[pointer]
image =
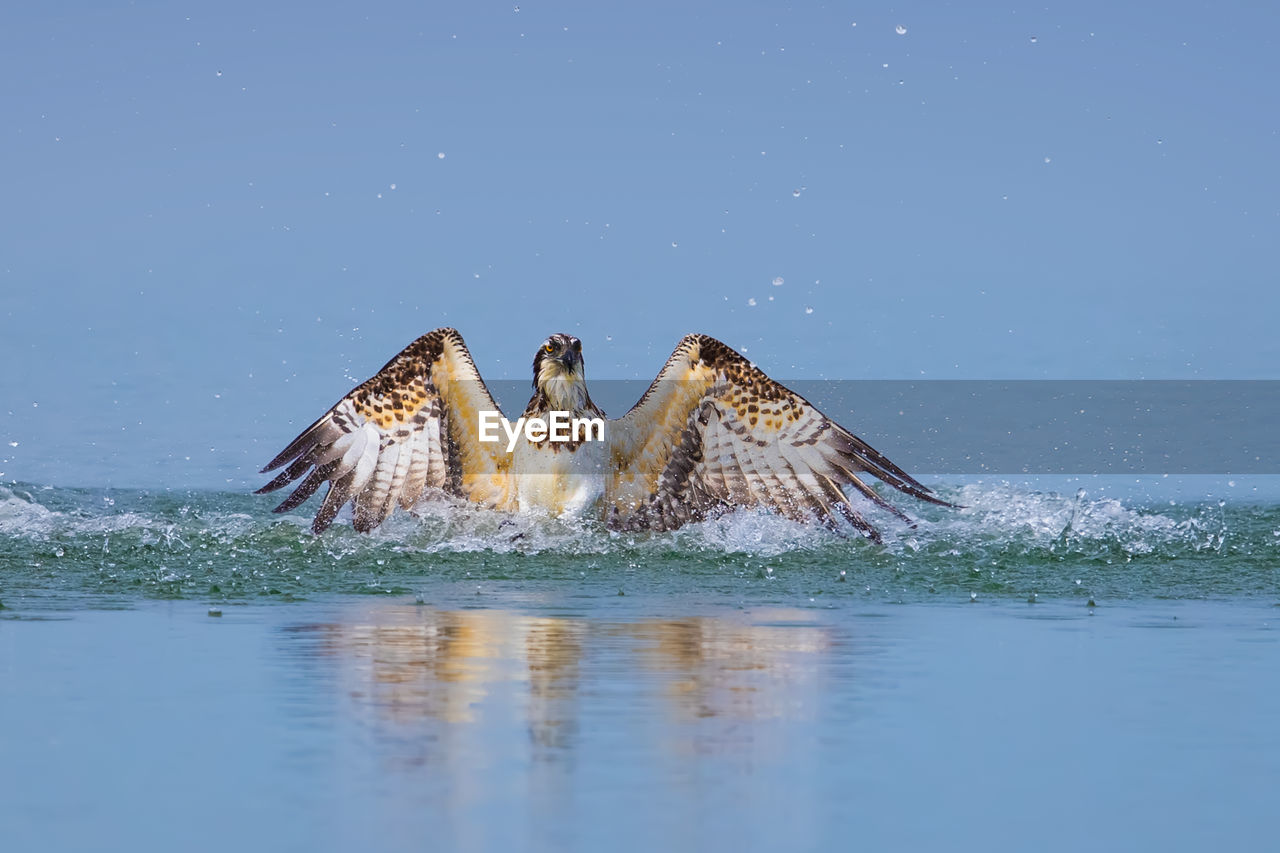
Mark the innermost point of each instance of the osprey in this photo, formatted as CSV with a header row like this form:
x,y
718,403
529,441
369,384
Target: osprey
x,y
712,432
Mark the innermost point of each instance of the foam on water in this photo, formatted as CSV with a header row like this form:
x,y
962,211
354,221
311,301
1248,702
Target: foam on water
x,y
1004,540
988,514
1054,523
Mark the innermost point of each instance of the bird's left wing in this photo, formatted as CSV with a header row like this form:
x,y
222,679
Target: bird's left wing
x,y
714,431
412,426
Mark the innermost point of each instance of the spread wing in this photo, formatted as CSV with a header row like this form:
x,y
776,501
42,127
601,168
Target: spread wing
x,y
714,431
411,427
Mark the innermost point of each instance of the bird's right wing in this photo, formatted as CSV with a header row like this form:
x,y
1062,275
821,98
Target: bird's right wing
x,y
411,427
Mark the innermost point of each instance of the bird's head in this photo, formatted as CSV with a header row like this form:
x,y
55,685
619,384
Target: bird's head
x,y
558,372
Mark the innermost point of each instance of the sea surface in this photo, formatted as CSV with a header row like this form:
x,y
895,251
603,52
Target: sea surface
x,y
1037,670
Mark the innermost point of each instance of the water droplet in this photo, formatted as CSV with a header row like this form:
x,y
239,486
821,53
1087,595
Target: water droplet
x,y
58,552
674,244
13,444
973,596
219,73
1031,599
808,309
842,576
440,156
393,186
1048,160
795,193
779,281
751,302
900,30
1034,39
215,611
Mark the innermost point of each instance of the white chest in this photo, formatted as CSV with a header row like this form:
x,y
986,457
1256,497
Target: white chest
x,y
558,481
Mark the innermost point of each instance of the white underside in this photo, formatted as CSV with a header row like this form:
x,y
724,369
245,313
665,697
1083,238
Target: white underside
x,y
564,482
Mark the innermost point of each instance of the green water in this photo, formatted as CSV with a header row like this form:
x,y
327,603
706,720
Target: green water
x,y
84,547
1036,671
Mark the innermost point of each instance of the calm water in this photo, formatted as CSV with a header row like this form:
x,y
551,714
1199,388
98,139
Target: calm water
x,y
186,671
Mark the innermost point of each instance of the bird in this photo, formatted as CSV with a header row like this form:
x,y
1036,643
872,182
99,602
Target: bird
x,y
711,433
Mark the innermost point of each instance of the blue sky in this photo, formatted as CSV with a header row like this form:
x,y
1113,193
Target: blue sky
x,y
218,215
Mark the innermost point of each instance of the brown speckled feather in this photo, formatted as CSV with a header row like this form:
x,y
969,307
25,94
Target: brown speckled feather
x,y
713,431
408,429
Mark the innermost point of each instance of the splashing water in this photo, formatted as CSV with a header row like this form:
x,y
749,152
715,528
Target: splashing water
x,y
62,544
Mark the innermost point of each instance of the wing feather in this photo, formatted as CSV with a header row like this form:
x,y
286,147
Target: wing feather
x,y
415,479
396,434
371,504
712,430
773,467
804,483
399,476
753,469
305,489
295,470
339,493
437,469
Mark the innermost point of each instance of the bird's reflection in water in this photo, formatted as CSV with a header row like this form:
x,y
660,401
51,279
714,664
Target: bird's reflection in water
x,y
553,650
430,676
719,668
440,666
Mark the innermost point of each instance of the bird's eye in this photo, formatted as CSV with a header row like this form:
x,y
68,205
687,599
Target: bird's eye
x,y
577,346
549,348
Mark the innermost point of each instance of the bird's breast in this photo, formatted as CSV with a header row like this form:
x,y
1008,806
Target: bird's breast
x,y
558,479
